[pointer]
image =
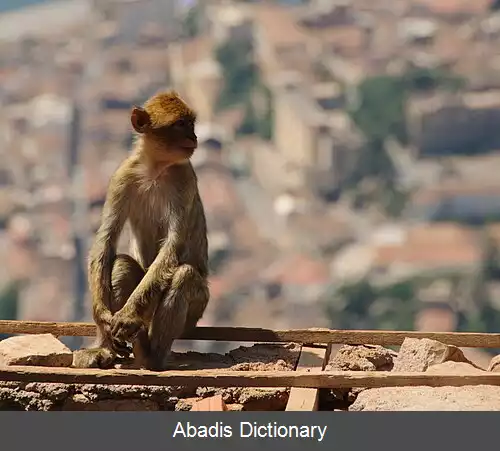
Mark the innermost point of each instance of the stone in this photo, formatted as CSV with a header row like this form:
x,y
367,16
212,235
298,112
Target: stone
x,y
355,358
264,399
362,358
81,403
495,364
416,355
468,398
37,350
453,368
482,397
32,396
235,407
44,396
265,357
185,405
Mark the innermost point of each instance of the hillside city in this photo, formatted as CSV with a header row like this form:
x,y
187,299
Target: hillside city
x,y
348,160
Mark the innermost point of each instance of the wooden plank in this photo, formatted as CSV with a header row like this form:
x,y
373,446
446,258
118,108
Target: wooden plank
x,y
211,404
241,334
226,378
60,329
306,399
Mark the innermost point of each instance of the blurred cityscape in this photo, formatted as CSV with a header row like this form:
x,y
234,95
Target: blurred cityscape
x,y
349,160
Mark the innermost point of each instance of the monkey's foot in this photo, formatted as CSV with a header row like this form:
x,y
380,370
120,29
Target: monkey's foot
x,y
121,348
94,358
162,364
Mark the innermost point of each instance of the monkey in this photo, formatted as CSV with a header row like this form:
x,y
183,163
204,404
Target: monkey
x,y
160,291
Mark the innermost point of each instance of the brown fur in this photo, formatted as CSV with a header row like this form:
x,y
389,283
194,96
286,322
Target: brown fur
x,y
152,296
166,108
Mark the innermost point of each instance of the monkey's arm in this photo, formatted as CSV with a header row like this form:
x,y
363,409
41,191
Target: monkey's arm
x,y
141,305
103,250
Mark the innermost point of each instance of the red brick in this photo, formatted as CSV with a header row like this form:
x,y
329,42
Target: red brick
x,y
212,404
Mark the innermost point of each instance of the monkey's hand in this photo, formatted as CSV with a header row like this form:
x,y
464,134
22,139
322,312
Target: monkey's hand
x,y
103,318
125,325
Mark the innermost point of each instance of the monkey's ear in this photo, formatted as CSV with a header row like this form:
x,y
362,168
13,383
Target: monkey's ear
x,y
140,119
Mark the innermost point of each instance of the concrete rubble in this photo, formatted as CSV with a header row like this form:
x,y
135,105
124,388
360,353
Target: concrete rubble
x,y
415,355
55,396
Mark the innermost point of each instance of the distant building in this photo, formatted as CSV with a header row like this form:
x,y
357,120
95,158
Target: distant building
x,y
447,124
471,203
133,15
403,252
315,137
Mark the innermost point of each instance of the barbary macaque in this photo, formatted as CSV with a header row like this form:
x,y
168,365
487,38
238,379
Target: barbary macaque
x,y
160,291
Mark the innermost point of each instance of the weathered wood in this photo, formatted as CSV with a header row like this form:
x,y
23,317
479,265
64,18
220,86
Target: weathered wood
x,y
227,378
242,334
306,399
211,404
41,327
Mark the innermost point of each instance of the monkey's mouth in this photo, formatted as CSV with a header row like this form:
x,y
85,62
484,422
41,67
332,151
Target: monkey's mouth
x,y
189,145
188,149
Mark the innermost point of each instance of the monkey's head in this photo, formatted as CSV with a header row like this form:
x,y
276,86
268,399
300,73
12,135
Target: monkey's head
x,y
167,123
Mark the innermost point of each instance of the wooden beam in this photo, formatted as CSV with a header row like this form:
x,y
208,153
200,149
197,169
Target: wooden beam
x,y
61,329
306,399
242,334
225,378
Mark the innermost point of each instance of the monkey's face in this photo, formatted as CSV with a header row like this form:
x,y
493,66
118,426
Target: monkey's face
x,y
178,137
172,142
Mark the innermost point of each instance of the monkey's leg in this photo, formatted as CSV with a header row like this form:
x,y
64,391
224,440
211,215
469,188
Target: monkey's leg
x,y
187,289
125,276
197,305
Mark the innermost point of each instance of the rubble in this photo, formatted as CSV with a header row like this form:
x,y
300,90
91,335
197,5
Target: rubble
x,y
419,354
94,397
415,355
495,364
478,398
38,350
355,358
362,358
432,357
